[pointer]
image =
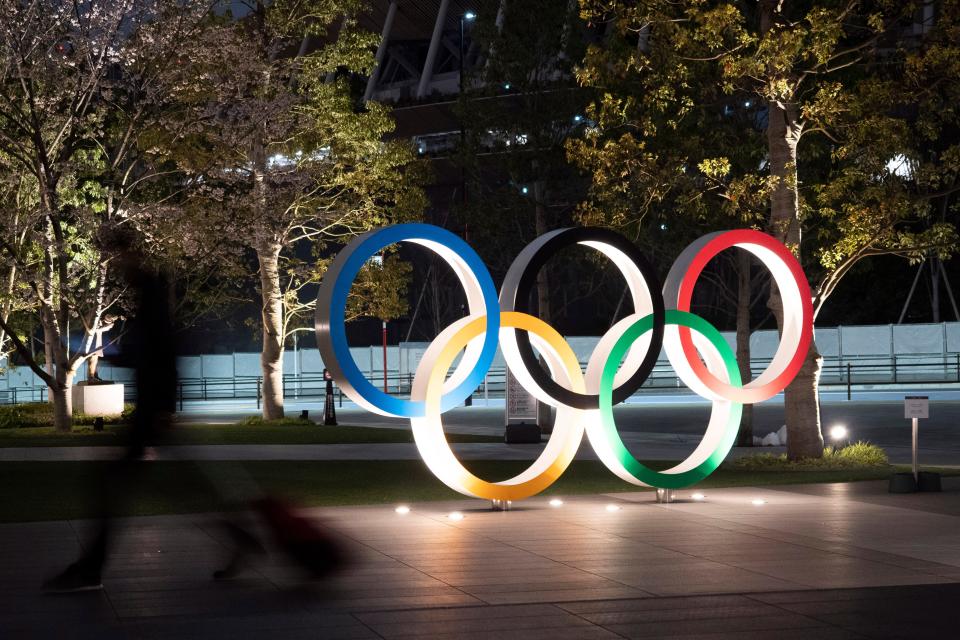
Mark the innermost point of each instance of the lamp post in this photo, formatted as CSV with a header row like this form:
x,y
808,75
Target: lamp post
x,y
469,16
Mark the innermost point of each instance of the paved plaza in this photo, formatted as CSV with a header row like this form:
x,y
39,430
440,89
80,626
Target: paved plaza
x,y
814,561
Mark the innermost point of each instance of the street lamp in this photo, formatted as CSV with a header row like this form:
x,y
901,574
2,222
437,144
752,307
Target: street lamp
x,y
469,16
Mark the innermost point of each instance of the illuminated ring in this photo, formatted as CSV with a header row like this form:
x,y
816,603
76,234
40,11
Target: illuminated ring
x,y
428,430
644,288
330,324
721,430
796,333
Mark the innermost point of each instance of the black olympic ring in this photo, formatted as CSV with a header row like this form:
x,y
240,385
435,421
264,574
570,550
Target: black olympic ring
x,y
522,276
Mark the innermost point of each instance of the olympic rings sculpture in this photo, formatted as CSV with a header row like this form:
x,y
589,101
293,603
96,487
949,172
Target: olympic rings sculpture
x,y
618,366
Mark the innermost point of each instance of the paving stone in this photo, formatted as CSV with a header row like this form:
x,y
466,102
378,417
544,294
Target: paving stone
x,y
799,567
772,624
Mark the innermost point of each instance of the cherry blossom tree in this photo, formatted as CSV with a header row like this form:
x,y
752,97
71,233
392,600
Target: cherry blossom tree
x,y
84,90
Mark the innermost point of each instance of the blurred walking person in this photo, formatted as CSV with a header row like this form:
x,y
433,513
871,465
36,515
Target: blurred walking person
x,y
149,347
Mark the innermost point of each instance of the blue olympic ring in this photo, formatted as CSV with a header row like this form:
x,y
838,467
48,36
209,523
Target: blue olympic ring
x,y
332,302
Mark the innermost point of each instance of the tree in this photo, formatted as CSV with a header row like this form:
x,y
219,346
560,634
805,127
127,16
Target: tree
x,y
519,105
290,156
859,83
80,83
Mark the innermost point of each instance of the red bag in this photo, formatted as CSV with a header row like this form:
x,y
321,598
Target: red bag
x,y
310,546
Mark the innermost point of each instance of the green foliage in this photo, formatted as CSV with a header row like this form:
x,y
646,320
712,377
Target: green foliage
x,y
123,418
40,414
259,421
861,455
295,166
690,90
380,290
86,99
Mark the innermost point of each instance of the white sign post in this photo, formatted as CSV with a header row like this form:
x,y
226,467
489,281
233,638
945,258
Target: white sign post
x,y
916,407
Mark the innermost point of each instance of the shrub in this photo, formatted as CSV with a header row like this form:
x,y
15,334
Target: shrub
x,y
84,419
40,414
34,414
258,421
861,455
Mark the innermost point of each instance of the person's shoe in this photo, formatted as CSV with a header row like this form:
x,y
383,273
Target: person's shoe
x,y
74,579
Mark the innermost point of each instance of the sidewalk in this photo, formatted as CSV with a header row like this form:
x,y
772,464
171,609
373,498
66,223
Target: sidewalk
x,y
678,421
825,561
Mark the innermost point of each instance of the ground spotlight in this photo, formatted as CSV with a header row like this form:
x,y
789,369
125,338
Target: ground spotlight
x,y
556,502
613,507
455,515
402,510
758,502
838,432
698,497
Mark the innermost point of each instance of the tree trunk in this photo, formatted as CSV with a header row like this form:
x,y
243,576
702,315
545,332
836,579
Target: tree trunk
x,y
62,396
801,405
5,310
744,292
48,359
271,356
540,224
801,397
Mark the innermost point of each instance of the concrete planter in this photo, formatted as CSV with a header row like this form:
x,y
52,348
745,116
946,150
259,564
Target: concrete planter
x,y
104,400
903,483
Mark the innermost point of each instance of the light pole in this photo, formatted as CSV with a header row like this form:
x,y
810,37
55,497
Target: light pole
x,y
469,16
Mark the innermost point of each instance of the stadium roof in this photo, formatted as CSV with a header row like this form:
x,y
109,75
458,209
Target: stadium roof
x,y
415,18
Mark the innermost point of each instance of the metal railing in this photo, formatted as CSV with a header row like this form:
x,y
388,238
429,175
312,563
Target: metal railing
x,y
846,372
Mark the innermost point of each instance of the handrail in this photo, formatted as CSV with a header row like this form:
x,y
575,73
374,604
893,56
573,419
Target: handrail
x,y
847,372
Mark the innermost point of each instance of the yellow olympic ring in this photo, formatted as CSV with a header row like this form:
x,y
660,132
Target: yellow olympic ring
x,y
428,429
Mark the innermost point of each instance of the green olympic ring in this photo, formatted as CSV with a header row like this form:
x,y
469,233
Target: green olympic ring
x,y
724,421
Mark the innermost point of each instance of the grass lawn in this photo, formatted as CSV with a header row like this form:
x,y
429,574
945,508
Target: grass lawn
x,y
31,491
222,434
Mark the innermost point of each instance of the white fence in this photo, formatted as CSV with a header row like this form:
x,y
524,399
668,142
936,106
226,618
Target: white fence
x,y
868,354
